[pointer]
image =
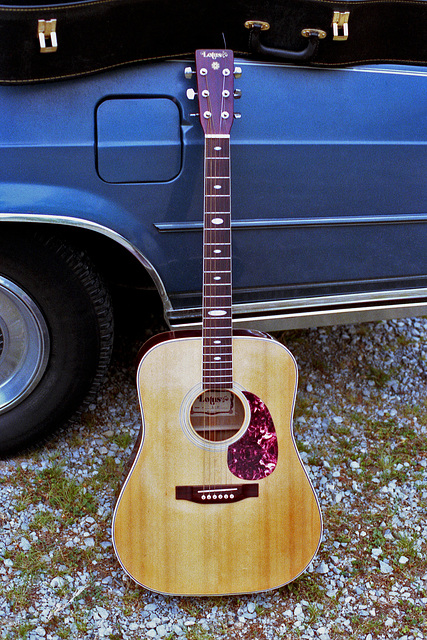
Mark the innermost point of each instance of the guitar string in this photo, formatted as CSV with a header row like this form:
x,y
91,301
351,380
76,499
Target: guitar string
x,y
221,235
208,235
212,328
225,237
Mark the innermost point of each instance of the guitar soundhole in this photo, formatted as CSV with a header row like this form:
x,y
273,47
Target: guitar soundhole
x,y
217,416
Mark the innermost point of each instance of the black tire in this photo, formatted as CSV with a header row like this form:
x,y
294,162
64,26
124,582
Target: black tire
x,y
56,335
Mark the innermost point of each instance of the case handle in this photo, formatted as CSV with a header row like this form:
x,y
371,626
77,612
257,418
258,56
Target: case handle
x,y
255,46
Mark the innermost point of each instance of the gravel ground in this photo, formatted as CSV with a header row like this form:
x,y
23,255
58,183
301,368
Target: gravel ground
x,y
361,427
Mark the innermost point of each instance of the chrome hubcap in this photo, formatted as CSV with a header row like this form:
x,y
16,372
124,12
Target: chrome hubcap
x,y
24,345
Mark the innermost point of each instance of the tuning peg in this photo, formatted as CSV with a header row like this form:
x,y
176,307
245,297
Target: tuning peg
x,y
237,115
237,93
191,94
188,73
237,72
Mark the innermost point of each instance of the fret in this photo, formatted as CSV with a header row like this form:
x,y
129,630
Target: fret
x,y
210,349
213,211
213,384
214,324
215,271
218,336
212,366
212,371
224,375
221,325
216,366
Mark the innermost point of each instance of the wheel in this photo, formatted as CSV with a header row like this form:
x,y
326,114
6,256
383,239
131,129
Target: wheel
x,y
56,335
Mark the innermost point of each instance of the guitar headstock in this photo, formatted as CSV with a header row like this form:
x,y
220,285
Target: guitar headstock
x,y
215,84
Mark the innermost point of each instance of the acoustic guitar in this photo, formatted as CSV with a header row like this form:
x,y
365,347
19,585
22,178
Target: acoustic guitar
x,y
217,500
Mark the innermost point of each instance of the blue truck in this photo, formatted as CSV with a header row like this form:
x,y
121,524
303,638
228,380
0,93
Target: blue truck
x,y
101,186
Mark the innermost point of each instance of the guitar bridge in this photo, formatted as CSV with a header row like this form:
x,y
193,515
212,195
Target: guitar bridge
x,y
215,494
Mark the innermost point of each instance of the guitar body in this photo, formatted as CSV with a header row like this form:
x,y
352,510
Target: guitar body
x,y
201,517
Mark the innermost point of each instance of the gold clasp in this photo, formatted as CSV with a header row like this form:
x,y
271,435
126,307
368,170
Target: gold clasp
x,y
340,21
47,30
314,33
260,24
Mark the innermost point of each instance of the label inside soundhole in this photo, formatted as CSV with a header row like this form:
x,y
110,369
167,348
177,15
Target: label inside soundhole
x,y
217,415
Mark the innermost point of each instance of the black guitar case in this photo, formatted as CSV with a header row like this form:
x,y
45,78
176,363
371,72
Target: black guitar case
x,y
56,41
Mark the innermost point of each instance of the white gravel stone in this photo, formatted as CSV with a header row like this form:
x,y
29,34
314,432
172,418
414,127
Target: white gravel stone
x,y
25,544
57,582
322,568
96,585
385,567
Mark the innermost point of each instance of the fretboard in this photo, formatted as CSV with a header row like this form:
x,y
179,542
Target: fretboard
x,y
217,323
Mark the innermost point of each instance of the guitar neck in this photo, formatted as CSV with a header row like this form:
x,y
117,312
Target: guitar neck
x,y
217,286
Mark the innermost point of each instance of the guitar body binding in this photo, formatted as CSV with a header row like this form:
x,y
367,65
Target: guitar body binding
x,y
170,541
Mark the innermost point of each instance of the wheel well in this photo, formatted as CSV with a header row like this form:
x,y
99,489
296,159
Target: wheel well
x,y
128,280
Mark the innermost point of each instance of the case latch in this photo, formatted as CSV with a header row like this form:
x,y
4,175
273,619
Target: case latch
x,y
46,32
340,25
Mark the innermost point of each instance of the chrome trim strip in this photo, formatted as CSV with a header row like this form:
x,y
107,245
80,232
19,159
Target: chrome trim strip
x,y
105,231
321,318
283,223
338,300
320,311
